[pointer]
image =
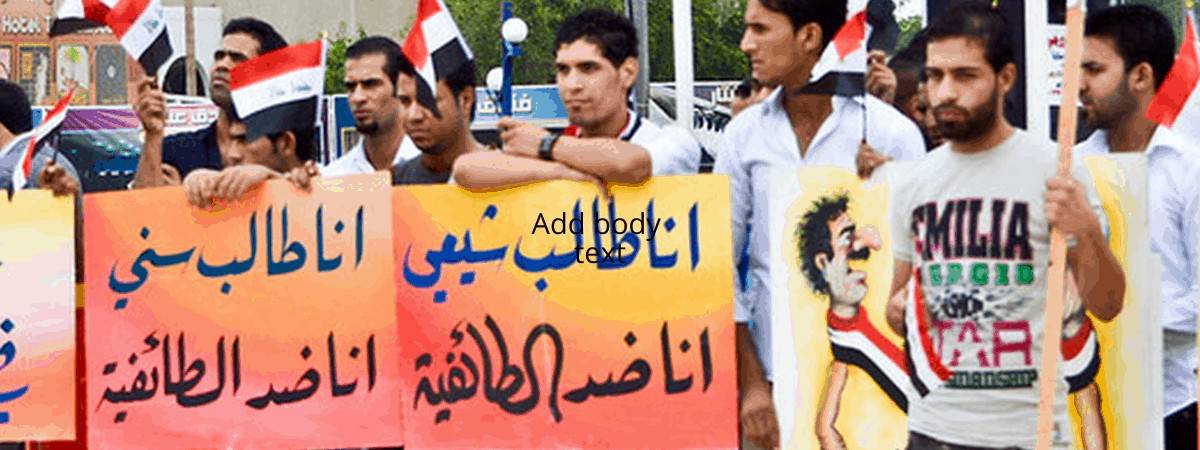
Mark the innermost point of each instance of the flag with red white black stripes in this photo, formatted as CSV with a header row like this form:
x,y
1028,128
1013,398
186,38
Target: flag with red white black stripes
x,y
280,90
42,135
138,24
1177,103
436,48
841,70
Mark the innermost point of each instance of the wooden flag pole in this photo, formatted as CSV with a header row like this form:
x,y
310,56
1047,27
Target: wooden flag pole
x,y
1056,281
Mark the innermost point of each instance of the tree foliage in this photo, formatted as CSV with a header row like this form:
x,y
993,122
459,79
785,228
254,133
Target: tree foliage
x,y
335,58
716,25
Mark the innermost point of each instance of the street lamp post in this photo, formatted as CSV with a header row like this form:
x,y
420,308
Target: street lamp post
x,y
513,30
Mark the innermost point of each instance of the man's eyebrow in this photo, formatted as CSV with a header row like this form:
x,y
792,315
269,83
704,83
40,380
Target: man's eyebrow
x,y
849,229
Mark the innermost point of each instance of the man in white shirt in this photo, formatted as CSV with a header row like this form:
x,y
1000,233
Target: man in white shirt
x,y
372,66
971,227
596,64
789,129
1128,51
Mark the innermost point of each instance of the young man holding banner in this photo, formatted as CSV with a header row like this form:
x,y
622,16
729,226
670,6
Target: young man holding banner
x,y
791,128
973,222
276,97
1128,51
596,66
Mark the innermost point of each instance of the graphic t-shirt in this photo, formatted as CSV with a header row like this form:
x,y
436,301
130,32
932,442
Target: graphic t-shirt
x,y
975,229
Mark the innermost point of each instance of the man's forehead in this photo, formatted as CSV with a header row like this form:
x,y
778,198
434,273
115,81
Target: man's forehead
x,y
241,43
366,66
1100,47
578,51
956,52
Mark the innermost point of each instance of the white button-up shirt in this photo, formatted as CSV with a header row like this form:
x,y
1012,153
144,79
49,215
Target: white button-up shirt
x,y
760,138
1174,191
356,161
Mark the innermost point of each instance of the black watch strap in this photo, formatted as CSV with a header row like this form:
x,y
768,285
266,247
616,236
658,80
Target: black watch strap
x,y
546,149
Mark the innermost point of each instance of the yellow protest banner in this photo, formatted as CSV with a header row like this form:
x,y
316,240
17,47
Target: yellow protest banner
x,y
548,316
37,317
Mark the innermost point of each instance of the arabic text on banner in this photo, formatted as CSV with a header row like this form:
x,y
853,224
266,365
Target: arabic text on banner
x,y
268,322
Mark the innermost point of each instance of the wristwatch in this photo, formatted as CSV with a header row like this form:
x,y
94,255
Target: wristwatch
x,y
546,149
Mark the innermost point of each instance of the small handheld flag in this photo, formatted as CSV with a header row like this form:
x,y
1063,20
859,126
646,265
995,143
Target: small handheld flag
x,y
279,90
436,48
139,24
43,134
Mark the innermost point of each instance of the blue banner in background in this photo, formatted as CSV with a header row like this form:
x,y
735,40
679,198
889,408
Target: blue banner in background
x,y
538,104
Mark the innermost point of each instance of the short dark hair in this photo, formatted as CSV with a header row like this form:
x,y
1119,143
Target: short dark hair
x,y
394,59
977,21
611,32
268,39
812,237
828,14
461,79
1141,34
16,115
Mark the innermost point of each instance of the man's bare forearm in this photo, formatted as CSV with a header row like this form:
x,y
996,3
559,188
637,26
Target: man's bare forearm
x,y
149,169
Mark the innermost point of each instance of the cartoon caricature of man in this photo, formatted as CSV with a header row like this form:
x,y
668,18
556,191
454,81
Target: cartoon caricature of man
x,y
830,241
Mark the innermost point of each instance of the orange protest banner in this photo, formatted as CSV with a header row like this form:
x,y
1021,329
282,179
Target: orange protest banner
x,y
550,317
266,323
37,317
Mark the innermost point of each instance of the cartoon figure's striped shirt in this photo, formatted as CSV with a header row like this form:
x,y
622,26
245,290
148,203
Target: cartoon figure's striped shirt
x,y
858,343
1081,356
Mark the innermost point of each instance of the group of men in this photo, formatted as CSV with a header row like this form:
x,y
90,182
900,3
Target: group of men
x,y
952,85
607,142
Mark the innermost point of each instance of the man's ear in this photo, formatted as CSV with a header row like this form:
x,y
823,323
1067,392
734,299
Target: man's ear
x,y
466,101
1141,78
285,144
809,36
627,73
1007,77
821,260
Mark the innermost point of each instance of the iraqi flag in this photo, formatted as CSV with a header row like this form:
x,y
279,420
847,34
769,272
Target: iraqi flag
x,y
279,90
139,24
45,132
436,48
870,25
1177,104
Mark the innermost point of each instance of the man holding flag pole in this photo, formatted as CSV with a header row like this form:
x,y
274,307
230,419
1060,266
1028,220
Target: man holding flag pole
x,y
1011,189
825,44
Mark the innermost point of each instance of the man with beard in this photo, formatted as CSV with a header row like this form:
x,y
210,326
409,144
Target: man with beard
x,y
974,325
372,66
1127,53
169,160
829,242
442,136
790,129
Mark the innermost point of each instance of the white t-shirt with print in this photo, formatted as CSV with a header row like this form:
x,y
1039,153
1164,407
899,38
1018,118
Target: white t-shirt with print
x,y
974,226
